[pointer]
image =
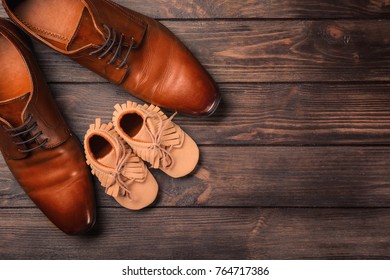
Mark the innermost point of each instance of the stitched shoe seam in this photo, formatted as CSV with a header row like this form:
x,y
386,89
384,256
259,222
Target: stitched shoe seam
x,y
38,29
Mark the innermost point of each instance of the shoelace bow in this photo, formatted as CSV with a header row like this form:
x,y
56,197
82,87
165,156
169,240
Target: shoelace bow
x,y
110,43
162,155
119,165
23,131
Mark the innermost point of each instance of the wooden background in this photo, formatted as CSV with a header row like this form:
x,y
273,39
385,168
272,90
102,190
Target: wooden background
x,y
295,164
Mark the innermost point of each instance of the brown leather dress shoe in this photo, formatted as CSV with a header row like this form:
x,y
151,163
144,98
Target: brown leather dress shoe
x,y
36,143
123,46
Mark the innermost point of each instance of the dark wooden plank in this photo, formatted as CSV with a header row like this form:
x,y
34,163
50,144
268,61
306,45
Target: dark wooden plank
x,y
260,9
204,9
268,51
278,51
203,234
259,114
264,177
258,51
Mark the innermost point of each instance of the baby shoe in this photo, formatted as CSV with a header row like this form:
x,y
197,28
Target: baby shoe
x,y
119,170
156,139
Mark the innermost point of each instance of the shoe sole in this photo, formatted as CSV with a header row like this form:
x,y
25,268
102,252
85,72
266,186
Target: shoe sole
x,y
213,108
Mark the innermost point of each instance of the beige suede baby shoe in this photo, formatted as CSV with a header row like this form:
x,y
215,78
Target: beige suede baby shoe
x,y
123,174
156,139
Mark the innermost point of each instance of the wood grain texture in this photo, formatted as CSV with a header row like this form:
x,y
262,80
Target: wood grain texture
x,y
205,9
203,234
258,114
294,164
256,51
268,51
263,176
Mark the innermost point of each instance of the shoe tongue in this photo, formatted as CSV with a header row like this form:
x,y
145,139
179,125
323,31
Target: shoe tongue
x,y
151,127
13,110
85,33
108,160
